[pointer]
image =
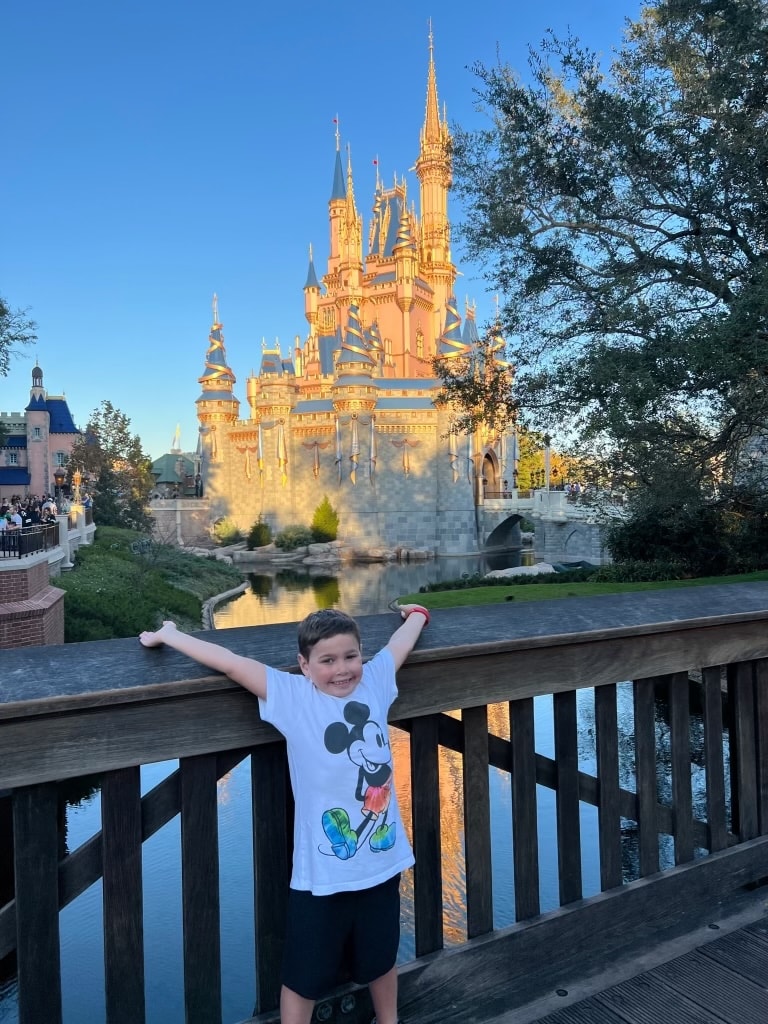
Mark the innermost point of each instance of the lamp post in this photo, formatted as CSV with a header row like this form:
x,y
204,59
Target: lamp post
x,y
58,479
547,455
77,479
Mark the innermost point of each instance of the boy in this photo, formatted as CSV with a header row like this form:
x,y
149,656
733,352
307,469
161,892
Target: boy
x,y
349,841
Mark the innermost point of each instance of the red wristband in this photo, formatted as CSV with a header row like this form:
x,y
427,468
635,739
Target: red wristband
x,y
419,608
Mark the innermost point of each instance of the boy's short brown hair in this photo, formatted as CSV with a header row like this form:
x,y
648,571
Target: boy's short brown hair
x,y
321,625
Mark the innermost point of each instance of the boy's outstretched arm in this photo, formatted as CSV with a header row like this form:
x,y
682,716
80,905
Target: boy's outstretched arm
x,y
403,640
245,671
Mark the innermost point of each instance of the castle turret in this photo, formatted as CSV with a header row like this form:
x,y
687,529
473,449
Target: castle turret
x,y
433,168
451,344
311,294
336,209
344,276
38,421
217,405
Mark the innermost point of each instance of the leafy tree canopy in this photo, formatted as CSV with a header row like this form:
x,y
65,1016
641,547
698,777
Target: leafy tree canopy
x,y
114,463
622,212
15,329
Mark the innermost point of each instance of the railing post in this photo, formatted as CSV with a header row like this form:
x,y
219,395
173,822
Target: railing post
x,y
36,840
123,897
63,521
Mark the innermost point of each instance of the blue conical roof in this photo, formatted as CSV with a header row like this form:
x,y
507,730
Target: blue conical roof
x,y
354,348
339,190
451,343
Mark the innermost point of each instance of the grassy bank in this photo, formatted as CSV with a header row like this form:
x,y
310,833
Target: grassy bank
x,y
550,591
123,583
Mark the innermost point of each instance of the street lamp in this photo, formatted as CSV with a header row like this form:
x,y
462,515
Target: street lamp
x,y
547,453
58,478
77,479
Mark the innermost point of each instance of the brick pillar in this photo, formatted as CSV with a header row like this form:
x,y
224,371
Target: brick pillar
x,y
31,610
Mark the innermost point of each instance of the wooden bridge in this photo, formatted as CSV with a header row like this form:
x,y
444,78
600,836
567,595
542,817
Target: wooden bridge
x,y
686,944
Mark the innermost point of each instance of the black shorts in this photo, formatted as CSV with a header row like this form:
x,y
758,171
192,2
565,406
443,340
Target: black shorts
x,y
359,931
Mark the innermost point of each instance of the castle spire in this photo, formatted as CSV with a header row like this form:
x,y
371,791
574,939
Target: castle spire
x,y
432,132
217,404
433,169
311,281
338,191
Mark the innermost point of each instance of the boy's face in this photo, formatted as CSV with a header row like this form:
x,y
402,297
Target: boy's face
x,y
334,665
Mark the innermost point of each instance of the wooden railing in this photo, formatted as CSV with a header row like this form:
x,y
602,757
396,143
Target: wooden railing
x,y
28,540
156,705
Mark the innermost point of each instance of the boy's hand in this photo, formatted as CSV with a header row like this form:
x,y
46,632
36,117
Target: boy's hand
x,y
153,638
408,609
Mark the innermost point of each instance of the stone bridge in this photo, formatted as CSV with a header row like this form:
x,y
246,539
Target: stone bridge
x,y
564,531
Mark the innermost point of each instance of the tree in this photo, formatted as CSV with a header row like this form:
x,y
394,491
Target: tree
x,y
477,387
623,215
325,522
114,462
15,329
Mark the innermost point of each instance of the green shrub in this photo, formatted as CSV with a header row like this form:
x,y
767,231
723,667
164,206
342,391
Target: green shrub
x,y
477,580
259,535
325,522
125,582
226,532
293,537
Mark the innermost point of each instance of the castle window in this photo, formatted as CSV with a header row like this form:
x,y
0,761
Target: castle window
x,y
36,433
13,458
60,458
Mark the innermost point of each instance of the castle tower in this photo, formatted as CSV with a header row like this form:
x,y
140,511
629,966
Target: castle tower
x,y
217,406
433,169
38,422
337,205
406,271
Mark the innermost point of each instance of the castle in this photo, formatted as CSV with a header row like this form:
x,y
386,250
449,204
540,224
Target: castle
x,y
351,413
36,443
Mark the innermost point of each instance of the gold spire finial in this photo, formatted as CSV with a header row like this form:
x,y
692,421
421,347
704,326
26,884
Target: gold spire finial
x,y
338,133
215,308
310,252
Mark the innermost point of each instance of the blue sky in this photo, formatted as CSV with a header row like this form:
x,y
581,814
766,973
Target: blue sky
x,y
157,152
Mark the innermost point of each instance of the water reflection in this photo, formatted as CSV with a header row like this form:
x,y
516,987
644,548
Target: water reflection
x,y
288,594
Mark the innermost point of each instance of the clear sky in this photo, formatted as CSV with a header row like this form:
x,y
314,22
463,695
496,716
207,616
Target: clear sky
x,y
157,151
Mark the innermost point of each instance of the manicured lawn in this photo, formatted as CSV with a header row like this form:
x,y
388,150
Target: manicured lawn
x,y
551,591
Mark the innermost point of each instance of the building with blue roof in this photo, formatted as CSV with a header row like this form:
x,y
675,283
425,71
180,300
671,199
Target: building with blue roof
x,y
36,443
349,410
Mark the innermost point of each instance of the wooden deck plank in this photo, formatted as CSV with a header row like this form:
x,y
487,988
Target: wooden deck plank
x,y
643,1000
727,993
743,953
588,1012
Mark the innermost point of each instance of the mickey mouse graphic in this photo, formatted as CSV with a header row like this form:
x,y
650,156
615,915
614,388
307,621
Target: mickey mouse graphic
x,y
367,746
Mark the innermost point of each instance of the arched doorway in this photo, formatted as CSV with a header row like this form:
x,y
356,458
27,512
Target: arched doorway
x,y
489,472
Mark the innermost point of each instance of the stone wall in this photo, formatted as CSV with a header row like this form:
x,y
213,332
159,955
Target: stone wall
x,y
183,522
31,610
569,541
409,497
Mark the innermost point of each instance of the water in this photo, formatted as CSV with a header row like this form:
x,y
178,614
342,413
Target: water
x,y
288,596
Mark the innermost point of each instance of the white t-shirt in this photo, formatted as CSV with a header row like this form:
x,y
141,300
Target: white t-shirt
x,y
348,833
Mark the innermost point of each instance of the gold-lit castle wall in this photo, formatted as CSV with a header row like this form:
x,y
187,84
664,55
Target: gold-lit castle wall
x,y
349,413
